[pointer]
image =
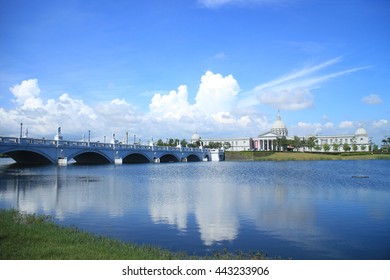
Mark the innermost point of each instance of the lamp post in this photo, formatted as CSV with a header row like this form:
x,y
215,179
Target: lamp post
x,y
21,130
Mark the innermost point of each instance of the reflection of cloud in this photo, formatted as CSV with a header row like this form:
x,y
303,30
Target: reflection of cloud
x,y
168,203
216,212
288,208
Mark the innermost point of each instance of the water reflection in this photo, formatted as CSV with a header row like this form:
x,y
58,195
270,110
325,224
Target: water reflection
x,y
296,208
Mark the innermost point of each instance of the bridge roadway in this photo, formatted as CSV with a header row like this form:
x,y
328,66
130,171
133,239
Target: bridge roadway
x,y
42,151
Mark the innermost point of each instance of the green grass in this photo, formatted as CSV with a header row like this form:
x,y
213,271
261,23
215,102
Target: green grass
x,y
27,236
31,237
290,156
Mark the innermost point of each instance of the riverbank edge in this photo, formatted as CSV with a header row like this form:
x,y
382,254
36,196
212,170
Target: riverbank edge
x,y
300,156
36,237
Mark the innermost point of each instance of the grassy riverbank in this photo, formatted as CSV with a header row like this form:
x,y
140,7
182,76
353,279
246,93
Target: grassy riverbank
x,y
289,156
32,237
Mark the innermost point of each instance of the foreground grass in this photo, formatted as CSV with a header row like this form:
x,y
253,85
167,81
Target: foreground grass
x,y
32,237
290,156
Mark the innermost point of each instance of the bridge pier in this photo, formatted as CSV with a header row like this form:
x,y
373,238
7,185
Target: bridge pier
x,y
63,161
118,161
156,160
184,159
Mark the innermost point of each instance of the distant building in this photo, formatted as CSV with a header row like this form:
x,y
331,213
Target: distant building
x,y
236,144
270,140
360,140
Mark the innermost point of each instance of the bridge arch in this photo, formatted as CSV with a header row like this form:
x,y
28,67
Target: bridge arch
x,y
136,158
29,157
169,158
91,157
193,158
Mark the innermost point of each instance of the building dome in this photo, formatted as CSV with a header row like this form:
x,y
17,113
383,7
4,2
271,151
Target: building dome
x,y
361,131
195,138
279,127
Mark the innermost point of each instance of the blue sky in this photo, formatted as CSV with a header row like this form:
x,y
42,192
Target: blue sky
x,y
222,68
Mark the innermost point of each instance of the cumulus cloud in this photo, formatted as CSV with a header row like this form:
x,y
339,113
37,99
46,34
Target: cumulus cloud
x,y
216,93
372,99
27,94
170,114
211,110
172,105
42,118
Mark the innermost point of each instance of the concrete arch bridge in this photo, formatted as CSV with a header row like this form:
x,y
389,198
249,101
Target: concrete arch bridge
x,y
41,151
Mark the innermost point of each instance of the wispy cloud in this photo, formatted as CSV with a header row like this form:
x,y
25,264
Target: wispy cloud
x,y
294,91
297,74
219,3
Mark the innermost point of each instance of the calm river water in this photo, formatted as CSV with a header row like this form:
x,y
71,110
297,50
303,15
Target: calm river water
x,y
299,210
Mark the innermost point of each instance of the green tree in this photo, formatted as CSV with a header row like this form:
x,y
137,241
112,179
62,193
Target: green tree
x,y
346,147
284,143
363,147
317,148
183,143
160,143
171,142
296,142
311,142
354,147
326,147
336,147
226,145
214,145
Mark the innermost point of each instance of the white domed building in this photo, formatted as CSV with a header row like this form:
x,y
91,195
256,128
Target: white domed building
x,y
279,128
267,141
359,141
195,138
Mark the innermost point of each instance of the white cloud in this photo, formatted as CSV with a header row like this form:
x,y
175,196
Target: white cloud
x,y
219,3
329,125
220,55
173,105
216,93
296,99
211,112
380,123
27,94
346,124
372,99
294,91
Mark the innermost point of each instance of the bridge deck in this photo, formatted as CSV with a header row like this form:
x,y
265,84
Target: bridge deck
x,y
61,151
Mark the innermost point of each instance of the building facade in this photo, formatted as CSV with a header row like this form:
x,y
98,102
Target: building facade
x,y
271,140
236,144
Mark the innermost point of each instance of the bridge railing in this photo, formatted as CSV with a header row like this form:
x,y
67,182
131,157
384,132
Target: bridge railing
x,y
117,146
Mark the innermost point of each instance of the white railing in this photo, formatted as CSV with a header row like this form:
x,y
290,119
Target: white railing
x,y
117,146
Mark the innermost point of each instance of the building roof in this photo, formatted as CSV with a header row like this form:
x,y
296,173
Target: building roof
x,y
195,137
361,131
279,124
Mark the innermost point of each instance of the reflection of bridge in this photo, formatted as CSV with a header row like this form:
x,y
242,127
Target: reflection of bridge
x,y
30,150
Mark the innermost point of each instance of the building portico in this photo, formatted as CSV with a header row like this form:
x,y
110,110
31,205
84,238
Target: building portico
x,y
269,141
